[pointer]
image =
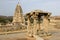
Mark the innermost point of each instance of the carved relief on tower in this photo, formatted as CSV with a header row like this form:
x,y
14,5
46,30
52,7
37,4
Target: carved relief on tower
x,y
18,16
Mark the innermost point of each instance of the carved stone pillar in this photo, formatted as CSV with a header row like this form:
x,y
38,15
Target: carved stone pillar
x,y
35,27
28,27
45,23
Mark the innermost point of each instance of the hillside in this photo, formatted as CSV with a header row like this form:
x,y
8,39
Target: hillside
x,y
5,19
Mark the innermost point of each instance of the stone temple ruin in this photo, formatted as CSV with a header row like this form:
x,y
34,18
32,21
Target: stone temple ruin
x,y
34,22
37,21
17,23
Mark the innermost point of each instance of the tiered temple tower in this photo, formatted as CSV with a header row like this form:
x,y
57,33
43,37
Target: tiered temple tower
x,y
18,17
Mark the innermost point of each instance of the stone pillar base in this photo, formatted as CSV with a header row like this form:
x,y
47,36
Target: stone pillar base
x,y
31,38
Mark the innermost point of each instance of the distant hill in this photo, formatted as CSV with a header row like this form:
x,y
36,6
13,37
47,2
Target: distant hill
x,y
5,19
55,17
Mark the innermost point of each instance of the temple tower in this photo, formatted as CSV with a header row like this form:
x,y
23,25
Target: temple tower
x,y
18,17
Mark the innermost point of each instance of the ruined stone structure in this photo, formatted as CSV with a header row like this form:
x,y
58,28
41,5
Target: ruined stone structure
x,y
36,23
37,20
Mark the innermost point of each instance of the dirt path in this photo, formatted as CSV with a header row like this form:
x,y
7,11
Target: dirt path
x,y
15,36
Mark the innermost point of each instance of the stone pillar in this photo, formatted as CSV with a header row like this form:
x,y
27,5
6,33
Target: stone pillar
x,y
45,23
28,27
35,24
41,24
35,27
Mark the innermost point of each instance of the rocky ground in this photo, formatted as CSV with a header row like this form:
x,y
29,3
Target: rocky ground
x,y
55,35
16,36
22,36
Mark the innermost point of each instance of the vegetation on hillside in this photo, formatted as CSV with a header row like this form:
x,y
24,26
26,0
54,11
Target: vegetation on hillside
x,y
5,19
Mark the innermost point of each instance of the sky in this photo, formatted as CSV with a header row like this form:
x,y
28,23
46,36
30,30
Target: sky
x,y
7,7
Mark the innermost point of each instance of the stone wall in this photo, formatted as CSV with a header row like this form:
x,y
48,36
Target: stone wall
x,y
7,28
